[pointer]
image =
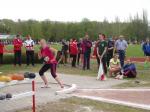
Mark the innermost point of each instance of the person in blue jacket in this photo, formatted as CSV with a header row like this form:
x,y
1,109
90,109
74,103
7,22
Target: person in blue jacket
x,y
129,69
146,49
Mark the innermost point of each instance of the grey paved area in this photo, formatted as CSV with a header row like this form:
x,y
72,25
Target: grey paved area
x,y
89,82
47,95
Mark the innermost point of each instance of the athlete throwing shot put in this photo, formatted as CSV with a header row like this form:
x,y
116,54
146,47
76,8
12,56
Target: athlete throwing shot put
x,y
49,63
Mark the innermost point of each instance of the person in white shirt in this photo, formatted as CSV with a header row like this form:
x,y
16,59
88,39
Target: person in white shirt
x,y
29,45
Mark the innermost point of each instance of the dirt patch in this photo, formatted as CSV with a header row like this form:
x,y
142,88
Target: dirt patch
x,y
61,107
140,97
82,105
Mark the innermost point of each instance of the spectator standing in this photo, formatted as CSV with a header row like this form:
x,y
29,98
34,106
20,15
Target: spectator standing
x,y
95,52
1,52
17,43
64,51
29,45
120,46
73,52
110,50
101,52
80,53
86,47
70,56
146,50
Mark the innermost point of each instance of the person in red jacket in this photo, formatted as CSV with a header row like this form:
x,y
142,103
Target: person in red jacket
x,y
17,42
1,51
49,63
74,52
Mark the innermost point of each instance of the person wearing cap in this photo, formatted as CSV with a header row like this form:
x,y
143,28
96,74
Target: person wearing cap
x,y
17,42
29,45
121,46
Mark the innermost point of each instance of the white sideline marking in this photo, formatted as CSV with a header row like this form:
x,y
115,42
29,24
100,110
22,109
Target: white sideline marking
x,y
22,95
14,82
115,90
67,91
135,105
2,84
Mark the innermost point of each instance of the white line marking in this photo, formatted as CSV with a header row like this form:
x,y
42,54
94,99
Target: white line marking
x,y
14,82
135,105
114,89
68,90
22,95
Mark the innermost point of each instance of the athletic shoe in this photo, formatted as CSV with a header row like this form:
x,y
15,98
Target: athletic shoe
x,y
121,77
105,78
117,77
102,77
62,86
45,86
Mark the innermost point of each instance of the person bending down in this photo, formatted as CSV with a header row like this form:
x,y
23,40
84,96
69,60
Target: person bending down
x,y
114,66
49,63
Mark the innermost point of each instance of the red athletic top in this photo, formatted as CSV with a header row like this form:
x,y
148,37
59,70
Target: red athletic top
x,y
95,49
46,52
73,48
17,44
1,48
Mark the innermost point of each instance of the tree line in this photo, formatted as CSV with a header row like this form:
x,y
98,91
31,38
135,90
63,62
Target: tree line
x,y
135,28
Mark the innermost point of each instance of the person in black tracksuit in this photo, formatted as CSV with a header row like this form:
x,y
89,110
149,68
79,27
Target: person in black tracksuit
x,y
64,52
110,50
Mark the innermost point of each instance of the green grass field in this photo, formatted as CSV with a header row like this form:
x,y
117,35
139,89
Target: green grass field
x,y
36,47
132,50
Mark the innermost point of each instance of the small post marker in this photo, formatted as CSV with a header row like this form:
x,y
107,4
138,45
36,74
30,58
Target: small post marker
x,y
33,96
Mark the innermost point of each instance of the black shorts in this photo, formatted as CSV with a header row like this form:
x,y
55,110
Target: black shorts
x,y
71,55
45,67
147,54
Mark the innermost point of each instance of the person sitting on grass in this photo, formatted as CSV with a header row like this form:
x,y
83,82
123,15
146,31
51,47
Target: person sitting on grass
x,y
129,70
114,65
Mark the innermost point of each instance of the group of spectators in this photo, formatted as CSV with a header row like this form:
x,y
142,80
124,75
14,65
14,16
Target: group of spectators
x,y
110,52
18,43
